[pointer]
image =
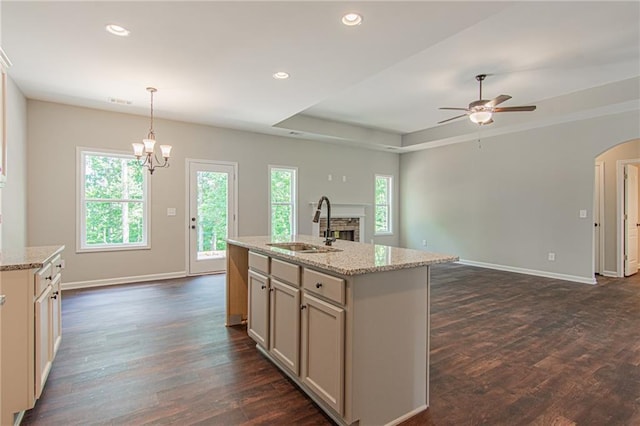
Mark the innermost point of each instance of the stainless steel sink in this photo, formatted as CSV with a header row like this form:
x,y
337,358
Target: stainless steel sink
x,y
303,247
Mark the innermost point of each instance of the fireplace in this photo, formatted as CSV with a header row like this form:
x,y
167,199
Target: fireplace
x,y
347,221
343,228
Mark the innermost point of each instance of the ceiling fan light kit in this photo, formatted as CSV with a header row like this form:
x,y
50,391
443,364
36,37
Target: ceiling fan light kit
x,y
481,111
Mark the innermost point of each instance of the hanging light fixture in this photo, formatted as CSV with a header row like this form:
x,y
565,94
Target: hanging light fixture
x,y
146,148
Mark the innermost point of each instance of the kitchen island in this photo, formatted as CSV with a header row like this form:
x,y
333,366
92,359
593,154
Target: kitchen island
x,y
348,323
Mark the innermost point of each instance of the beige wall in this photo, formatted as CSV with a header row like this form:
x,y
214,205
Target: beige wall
x,y
14,198
515,199
56,130
625,151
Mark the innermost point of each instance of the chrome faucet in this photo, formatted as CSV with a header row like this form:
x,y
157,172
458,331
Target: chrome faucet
x,y
328,239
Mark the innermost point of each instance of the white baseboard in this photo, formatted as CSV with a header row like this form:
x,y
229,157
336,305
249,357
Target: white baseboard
x,y
122,280
610,274
564,277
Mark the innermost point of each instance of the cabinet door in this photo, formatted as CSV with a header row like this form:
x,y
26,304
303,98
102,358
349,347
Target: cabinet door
x,y
323,350
285,325
43,308
56,316
258,313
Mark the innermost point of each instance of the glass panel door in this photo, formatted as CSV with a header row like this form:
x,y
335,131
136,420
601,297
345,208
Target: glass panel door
x,y
211,215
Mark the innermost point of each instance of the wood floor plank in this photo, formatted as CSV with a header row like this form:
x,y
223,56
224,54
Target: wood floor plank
x,y
506,349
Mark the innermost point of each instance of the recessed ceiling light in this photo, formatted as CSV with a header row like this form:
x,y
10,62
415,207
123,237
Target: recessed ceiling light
x,y
281,75
117,30
351,19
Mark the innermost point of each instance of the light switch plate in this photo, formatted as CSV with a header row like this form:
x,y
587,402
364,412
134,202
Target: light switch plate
x,y
171,211
583,214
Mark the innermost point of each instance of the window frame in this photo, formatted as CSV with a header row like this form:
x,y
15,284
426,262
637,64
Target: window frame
x,y
388,205
294,197
81,228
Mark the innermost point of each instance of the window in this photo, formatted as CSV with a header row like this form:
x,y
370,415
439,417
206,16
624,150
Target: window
x,y
282,196
112,201
383,204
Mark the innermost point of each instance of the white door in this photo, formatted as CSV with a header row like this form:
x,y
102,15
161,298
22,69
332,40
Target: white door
x,y
212,214
631,219
597,219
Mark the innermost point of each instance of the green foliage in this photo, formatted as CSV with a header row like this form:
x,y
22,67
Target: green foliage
x,y
114,197
282,198
382,196
213,190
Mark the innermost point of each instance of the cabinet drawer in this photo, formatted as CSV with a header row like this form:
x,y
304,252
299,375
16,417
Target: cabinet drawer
x,y
325,285
42,279
56,265
259,262
285,271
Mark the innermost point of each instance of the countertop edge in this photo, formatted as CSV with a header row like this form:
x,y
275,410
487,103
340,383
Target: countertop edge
x,y
49,252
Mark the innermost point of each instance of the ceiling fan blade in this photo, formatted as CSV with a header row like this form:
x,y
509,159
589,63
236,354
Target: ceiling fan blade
x,y
515,109
452,118
456,109
488,122
497,100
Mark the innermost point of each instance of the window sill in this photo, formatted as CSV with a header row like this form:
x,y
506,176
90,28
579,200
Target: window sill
x,y
101,249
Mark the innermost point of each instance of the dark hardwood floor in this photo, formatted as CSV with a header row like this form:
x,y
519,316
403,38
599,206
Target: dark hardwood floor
x,y
506,349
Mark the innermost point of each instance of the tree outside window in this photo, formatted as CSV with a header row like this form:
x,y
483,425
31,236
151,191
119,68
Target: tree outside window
x,y
112,201
282,195
383,188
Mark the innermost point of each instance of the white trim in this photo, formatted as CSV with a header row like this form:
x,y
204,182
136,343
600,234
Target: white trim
x,y
123,280
601,218
620,212
564,277
81,151
610,274
294,201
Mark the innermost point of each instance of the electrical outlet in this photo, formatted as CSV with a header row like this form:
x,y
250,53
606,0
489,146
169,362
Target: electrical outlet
x,y
424,243
344,178
552,257
583,214
329,178
171,211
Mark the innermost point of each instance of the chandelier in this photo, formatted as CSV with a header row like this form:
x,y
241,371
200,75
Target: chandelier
x,y
146,148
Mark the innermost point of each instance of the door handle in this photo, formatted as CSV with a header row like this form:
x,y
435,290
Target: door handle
x,y
193,227
3,299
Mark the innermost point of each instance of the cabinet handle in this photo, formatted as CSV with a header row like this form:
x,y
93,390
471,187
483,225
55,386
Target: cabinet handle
x,y
318,285
48,278
59,266
54,295
272,289
263,287
303,307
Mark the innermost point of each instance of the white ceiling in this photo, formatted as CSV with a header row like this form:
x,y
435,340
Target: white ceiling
x,y
212,62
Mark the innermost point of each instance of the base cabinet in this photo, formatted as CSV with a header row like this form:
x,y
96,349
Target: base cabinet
x,y
258,321
31,334
323,350
357,345
284,342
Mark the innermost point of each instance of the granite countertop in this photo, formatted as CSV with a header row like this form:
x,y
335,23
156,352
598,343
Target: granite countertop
x,y
27,257
354,259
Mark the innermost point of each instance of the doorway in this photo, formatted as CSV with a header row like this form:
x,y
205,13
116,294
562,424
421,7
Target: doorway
x,y
212,215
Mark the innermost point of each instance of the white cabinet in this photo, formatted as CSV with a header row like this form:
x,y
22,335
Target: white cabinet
x,y
274,309
323,350
258,321
31,333
363,340
284,343
43,336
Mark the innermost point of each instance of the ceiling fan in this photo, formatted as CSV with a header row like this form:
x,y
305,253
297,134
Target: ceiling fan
x,y
482,110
